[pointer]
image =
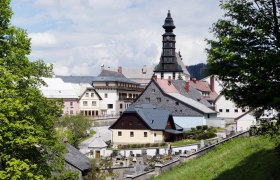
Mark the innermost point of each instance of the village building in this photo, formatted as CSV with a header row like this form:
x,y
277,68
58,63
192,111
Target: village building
x,y
55,88
170,64
225,107
245,121
117,92
89,99
143,124
207,90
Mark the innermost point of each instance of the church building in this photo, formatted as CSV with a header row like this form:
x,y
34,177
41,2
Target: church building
x,y
171,64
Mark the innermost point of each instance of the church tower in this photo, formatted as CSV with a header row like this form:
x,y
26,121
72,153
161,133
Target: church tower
x,y
171,64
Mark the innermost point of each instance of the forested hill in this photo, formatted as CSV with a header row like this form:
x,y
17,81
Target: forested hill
x,y
198,71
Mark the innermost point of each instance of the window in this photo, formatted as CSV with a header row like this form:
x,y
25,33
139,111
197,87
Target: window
x,y
87,94
243,110
158,100
155,134
220,110
121,106
131,134
227,98
236,110
153,90
93,103
119,133
227,110
208,116
145,134
92,94
85,103
147,99
106,95
173,75
177,103
71,112
161,75
107,83
71,103
110,106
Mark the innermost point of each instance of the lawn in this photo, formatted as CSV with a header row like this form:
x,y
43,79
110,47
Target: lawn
x,y
184,142
241,158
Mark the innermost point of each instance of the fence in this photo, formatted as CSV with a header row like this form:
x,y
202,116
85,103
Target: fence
x,y
161,168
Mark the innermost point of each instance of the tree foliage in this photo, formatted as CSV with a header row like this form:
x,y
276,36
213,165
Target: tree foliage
x,y
74,128
245,54
29,147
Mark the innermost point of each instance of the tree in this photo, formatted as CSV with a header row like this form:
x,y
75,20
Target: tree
x,y
29,147
74,128
245,54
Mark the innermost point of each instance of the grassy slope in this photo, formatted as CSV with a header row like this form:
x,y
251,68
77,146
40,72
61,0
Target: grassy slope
x,y
242,158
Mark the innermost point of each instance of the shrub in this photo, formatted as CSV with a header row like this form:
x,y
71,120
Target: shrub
x,y
199,127
204,127
206,135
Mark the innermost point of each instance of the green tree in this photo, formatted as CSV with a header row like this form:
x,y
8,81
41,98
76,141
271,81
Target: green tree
x,y
74,128
29,147
245,53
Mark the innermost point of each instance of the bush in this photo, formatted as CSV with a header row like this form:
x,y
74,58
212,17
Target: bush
x,y
206,135
204,127
199,127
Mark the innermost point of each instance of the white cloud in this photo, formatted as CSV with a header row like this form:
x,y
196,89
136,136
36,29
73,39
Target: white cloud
x,y
79,36
44,39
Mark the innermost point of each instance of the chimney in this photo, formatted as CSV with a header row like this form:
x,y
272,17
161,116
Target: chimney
x,y
187,86
212,83
155,77
169,80
120,69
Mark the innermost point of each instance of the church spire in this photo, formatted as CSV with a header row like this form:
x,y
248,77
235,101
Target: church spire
x,y
168,23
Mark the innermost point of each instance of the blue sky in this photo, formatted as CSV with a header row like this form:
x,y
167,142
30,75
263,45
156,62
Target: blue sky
x,y
78,36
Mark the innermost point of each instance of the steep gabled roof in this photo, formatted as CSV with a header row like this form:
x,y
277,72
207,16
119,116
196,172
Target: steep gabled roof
x,y
154,118
76,158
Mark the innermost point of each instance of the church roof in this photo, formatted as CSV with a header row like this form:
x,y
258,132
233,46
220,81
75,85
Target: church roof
x,y
168,23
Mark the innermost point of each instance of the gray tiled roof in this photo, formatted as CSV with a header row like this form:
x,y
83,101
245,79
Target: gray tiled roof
x,y
155,118
192,93
76,79
192,102
76,158
111,76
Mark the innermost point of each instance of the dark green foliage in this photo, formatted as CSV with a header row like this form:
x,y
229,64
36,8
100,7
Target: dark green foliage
x,y
29,147
201,132
73,128
245,54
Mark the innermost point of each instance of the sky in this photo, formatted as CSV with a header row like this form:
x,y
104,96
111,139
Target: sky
x,y
78,36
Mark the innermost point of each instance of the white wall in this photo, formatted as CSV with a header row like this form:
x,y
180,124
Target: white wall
x,y
222,104
216,123
245,122
167,74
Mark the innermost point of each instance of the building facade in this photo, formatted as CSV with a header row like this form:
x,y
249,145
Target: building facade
x,y
117,92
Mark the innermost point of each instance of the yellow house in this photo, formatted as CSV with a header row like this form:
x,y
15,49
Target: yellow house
x,y
143,124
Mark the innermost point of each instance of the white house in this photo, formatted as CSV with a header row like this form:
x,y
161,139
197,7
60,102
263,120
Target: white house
x,y
245,121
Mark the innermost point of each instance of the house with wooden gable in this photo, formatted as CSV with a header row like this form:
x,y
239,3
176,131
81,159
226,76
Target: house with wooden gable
x,y
141,124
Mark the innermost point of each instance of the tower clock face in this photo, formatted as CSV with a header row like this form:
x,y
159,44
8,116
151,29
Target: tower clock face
x,y
168,37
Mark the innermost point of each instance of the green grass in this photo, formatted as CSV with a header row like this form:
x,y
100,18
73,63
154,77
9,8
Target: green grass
x,y
241,158
184,142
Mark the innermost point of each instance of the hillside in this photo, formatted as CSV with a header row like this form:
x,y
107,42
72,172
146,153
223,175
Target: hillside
x,y
198,71
241,158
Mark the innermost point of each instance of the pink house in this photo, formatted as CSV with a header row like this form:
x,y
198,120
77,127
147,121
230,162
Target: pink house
x,y
58,89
